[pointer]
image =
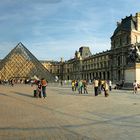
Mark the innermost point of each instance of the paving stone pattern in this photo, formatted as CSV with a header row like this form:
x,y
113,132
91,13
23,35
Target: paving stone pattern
x,y
67,115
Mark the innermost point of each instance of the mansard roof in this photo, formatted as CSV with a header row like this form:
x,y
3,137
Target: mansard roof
x,y
127,24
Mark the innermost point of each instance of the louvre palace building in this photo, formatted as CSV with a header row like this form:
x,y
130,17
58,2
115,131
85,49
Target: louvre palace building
x,y
121,62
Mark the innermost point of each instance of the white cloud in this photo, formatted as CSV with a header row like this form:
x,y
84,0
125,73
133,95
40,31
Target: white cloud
x,y
57,28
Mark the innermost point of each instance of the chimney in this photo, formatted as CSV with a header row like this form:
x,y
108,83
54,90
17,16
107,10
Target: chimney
x,y
138,21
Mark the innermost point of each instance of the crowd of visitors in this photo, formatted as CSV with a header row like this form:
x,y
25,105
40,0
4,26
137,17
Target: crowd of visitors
x,y
100,86
80,85
40,85
11,82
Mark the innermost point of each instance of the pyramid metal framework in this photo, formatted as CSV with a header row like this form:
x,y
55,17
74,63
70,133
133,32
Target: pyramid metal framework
x,y
21,63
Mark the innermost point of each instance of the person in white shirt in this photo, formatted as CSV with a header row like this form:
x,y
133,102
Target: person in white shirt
x,y
110,85
135,87
95,84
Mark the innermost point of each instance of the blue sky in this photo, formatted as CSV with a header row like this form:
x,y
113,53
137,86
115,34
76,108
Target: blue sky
x,y
52,29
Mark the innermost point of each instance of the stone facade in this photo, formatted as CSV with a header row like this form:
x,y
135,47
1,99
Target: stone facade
x,y
125,36
119,63
111,64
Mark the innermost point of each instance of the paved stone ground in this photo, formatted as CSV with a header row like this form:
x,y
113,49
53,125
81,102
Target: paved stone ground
x,y
67,115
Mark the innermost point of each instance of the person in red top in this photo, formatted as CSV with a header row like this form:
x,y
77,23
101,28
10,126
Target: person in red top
x,y
43,84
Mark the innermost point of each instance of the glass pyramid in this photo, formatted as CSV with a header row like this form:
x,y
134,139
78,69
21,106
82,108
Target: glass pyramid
x,y
21,63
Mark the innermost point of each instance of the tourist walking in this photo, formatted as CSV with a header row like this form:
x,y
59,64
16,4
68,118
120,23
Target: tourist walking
x,y
76,85
95,84
12,82
43,84
135,87
61,83
106,89
99,87
102,85
110,85
85,86
80,86
39,88
73,85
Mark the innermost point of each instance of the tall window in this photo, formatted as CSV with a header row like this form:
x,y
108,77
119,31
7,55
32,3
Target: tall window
x,y
120,41
68,70
119,61
127,39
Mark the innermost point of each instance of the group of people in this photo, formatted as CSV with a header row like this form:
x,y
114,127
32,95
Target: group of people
x,y
102,86
80,85
99,86
40,88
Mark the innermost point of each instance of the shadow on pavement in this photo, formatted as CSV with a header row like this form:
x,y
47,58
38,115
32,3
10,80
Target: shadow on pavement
x,y
23,94
3,94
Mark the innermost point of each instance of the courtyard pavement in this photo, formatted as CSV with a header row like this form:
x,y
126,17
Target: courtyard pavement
x,y
67,115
